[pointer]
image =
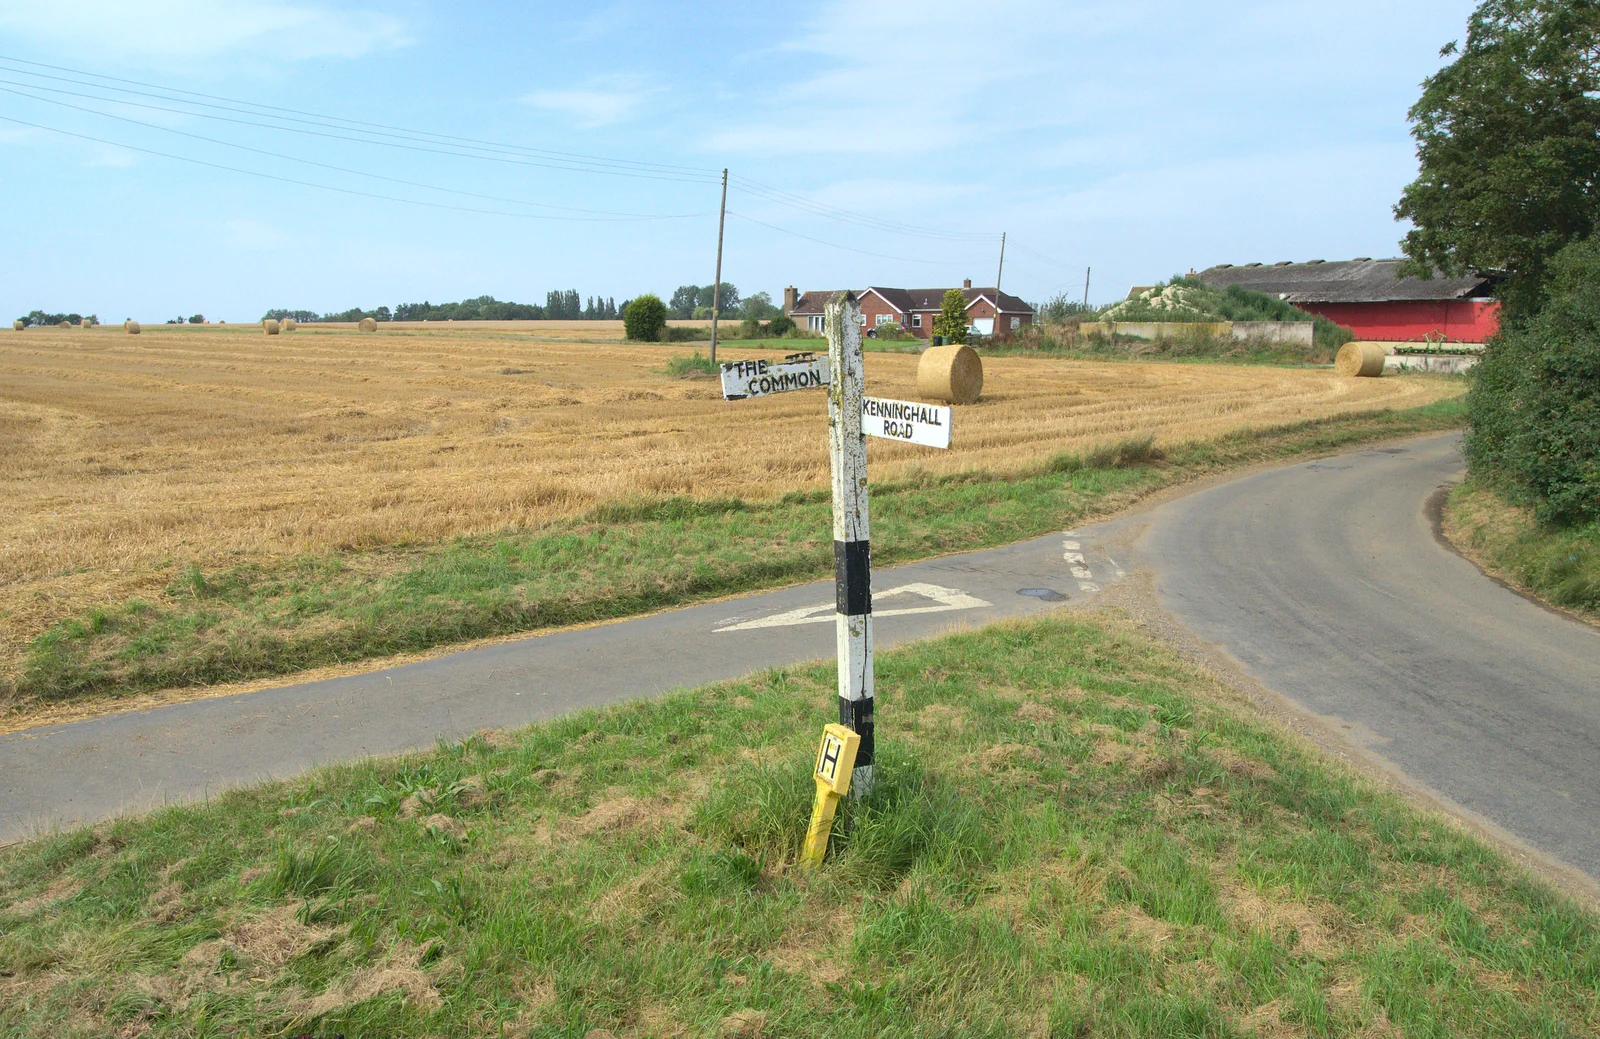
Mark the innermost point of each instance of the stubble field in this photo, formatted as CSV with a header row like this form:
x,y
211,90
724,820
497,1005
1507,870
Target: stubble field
x,y
125,458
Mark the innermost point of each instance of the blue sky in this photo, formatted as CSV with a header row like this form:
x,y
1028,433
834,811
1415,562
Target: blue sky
x,y
1141,138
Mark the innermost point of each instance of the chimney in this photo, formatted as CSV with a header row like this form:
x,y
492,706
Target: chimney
x,y
966,283
791,299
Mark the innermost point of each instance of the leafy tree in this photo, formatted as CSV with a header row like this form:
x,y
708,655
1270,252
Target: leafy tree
x,y
1508,146
644,318
781,325
1535,402
683,301
951,321
39,317
760,307
197,319
727,301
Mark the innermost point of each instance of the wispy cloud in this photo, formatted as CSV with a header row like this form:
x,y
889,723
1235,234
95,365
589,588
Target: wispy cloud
x,y
935,82
601,103
130,31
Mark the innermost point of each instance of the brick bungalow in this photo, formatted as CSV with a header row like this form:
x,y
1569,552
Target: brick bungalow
x,y
989,311
1369,297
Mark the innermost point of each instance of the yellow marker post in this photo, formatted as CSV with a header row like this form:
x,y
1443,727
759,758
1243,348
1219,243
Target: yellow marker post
x,y
835,759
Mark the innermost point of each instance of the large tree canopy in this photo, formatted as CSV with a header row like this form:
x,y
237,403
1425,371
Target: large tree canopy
x,y
1508,146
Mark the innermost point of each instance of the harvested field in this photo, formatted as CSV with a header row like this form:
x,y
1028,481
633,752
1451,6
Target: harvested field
x,y
123,457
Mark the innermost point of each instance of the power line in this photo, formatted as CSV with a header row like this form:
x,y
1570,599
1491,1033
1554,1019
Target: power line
x,y
846,248
306,183
816,208
327,121
329,166
396,144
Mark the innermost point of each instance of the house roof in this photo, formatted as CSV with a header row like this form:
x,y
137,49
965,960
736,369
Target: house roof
x,y
812,302
1361,280
907,301
931,299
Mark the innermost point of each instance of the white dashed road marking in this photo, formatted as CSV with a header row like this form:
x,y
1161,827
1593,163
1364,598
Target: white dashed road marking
x,y
1075,563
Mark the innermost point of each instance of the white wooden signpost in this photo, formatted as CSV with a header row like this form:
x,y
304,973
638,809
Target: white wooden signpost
x,y
852,416
925,424
761,378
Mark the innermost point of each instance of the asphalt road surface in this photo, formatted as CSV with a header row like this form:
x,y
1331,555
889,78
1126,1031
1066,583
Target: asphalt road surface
x,y
1323,579
91,770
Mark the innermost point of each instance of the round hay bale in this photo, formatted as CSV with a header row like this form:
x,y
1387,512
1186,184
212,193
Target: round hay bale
x,y
131,327
65,324
1360,359
18,325
270,326
953,374
368,325
288,324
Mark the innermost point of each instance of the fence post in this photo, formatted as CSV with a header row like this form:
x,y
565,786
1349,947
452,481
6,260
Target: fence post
x,y
852,556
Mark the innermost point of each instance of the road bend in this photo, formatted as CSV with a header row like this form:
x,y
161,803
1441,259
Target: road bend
x,y
1325,580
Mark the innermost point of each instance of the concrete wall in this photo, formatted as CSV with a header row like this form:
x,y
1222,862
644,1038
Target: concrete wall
x,y
1274,331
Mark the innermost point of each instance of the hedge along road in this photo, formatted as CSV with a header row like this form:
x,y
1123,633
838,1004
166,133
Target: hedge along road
x,y
1323,579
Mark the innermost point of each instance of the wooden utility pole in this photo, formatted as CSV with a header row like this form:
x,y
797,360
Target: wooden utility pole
x,y
999,272
852,554
716,287
1086,271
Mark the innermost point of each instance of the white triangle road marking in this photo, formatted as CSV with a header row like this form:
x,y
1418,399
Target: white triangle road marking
x,y
945,599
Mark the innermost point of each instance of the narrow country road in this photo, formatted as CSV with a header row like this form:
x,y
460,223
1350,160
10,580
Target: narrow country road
x,y
90,770
1323,579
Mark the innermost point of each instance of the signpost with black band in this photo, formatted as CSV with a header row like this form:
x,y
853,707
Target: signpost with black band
x,y
852,541
845,758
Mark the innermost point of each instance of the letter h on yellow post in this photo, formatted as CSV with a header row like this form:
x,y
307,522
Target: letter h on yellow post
x,y
836,757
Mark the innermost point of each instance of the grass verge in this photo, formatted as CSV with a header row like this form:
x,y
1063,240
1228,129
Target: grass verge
x,y
1074,834
619,560
1559,565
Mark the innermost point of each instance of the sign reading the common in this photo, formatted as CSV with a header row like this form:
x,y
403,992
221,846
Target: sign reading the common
x,y
906,421
761,378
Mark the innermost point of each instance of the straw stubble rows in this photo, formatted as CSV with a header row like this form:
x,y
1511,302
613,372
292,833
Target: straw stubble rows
x,y
124,458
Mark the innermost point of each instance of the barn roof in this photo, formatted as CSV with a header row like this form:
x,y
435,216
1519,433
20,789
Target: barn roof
x,y
1362,280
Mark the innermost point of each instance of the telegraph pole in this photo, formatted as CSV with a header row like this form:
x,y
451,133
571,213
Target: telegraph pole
x,y
999,272
1086,271
716,287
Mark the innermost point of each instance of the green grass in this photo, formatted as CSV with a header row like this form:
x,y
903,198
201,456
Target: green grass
x,y
619,560
694,366
1558,564
1074,834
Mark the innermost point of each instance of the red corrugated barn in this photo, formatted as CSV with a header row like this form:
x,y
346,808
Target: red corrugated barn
x,y
1367,297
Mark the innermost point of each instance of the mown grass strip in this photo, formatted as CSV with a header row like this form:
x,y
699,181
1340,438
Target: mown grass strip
x,y
1558,564
1074,833
621,559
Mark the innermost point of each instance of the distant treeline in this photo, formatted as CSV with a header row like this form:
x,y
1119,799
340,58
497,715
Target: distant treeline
x,y
689,301
39,317
558,306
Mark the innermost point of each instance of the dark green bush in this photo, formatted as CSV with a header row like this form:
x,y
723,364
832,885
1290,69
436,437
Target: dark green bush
x,y
781,325
1535,402
644,318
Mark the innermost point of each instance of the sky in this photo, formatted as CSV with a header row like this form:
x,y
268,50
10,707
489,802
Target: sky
x,y
165,158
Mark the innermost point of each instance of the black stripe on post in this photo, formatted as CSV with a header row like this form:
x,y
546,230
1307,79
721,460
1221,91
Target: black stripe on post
x,y
852,578
856,715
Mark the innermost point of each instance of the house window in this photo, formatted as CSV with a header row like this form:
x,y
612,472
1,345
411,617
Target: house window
x,y
814,322
916,320
884,319
1016,322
